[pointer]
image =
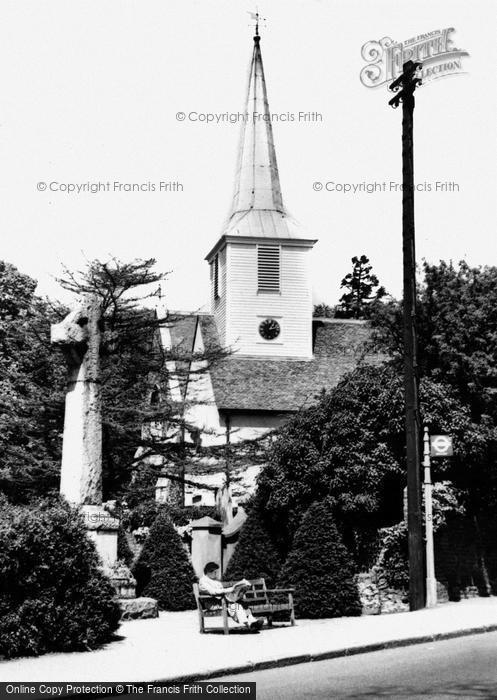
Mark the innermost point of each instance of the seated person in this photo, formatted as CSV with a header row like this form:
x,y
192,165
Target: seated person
x,y
237,609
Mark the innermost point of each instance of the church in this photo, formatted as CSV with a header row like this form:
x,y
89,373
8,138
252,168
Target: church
x,y
280,357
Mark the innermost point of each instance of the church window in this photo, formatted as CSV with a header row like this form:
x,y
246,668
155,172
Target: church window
x,y
268,268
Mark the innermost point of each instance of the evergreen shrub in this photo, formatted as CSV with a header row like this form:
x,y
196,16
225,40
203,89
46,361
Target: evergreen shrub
x,y
320,568
53,595
255,555
163,570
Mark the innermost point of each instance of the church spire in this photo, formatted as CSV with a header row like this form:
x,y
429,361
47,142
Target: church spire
x,y
257,209
257,182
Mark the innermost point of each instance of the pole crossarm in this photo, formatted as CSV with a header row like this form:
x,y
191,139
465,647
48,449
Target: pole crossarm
x,y
405,84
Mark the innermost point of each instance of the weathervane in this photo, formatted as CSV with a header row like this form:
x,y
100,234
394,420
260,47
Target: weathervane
x,y
256,16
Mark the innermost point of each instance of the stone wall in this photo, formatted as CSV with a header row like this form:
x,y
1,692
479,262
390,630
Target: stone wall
x,y
376,596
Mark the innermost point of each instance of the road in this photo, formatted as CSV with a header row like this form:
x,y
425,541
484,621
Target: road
x,y
465,667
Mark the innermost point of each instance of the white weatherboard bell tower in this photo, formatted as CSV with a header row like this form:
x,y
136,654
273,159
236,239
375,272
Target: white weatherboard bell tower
x,y
261,294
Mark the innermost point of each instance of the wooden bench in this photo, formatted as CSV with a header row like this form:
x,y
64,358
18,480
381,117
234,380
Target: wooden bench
x,y
263,602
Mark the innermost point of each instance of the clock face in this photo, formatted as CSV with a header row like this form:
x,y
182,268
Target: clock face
x,y
269,329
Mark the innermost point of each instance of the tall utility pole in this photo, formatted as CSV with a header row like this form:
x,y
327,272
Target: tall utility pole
x,y
404,86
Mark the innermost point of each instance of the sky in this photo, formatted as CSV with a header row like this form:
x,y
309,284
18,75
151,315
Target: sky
x,y
90,93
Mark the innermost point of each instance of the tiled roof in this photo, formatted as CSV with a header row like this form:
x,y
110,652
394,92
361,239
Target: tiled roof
x,y
281,385
182,330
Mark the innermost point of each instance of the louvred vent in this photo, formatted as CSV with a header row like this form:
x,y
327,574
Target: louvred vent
x,y
268,268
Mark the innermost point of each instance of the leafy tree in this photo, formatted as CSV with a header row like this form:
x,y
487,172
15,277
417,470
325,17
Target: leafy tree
x,y
163,570
350,446
362,290
53,596
16,293
457,326
255,555
142,515
320,568
392,541
323,311
32,380
394,555
458,559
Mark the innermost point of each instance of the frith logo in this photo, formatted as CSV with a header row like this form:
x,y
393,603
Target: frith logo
x,y
434,50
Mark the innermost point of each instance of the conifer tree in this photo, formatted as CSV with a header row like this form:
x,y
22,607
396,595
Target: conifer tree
x,y
163,570
320,568
142,426
255,555
362,290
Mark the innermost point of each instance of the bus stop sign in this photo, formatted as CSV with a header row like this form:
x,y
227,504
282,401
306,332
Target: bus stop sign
x,y
441,446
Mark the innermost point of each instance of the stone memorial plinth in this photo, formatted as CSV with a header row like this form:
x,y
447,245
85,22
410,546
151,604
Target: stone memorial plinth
x,y
102,528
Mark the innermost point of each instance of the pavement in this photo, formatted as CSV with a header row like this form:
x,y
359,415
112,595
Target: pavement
x,y
171,648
